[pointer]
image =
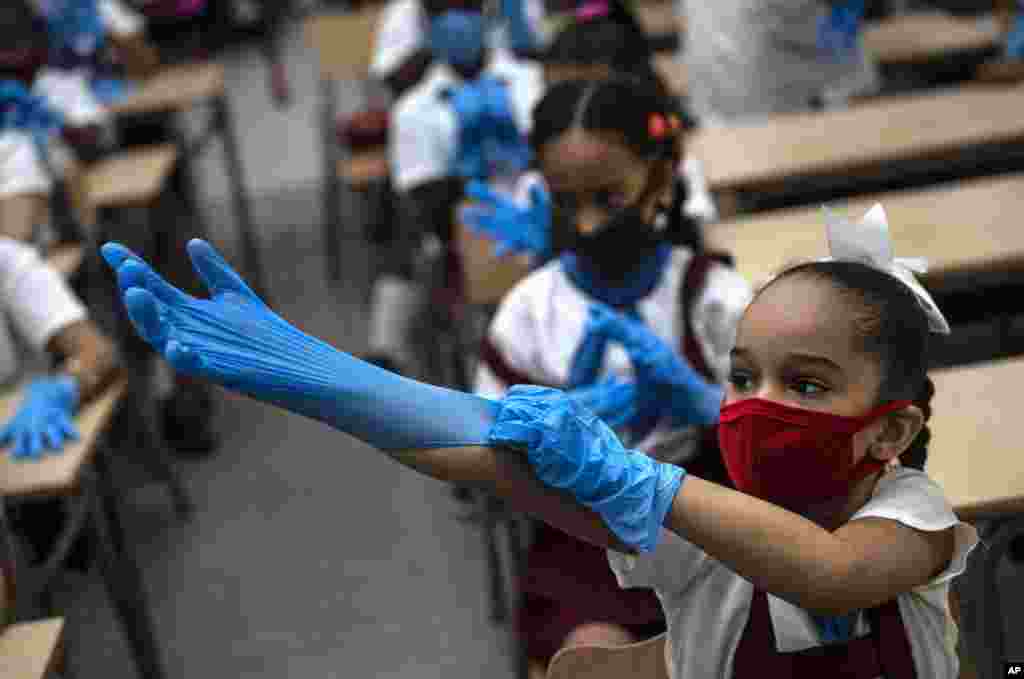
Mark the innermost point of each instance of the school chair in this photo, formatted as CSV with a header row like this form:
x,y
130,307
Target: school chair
x,y
130,187
344,47
787,158
80,477
644,660
175,89
31,650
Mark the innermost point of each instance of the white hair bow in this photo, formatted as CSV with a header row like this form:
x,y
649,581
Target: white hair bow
x,y
868,242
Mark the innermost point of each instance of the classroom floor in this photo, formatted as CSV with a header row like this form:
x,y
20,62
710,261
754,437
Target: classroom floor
x,y
310,555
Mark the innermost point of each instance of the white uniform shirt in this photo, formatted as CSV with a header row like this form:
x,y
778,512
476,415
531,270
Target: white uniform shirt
x,y
69,91
403,30
22,170
423,126
707,605
752,58
541,323
36,302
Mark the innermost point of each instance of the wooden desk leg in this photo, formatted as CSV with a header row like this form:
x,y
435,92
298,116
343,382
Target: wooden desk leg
x,y
233,161
332,185
122,579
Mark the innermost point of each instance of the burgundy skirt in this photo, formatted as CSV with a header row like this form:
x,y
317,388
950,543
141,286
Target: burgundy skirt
x,y
568,583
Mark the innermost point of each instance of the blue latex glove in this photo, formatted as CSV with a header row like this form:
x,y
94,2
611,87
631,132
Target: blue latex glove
x,y
235,340
520,34
1014,47
667,386
75,25
456,37
109,91
45,418
612,399
489,142
516,229
838,29
22,110
572,449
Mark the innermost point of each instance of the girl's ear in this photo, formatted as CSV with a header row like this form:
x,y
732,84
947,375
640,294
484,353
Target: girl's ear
x,y
895,433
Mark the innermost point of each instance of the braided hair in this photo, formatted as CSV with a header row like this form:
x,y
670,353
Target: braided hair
x,y
636,112
891,326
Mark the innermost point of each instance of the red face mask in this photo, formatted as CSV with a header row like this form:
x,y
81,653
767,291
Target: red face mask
x,y
794,457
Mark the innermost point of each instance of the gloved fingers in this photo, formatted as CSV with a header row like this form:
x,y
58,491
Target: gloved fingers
x,y
137,274
539,197
483,193
216,273
477,218
145,313
183,358
116,254
68,429
52,437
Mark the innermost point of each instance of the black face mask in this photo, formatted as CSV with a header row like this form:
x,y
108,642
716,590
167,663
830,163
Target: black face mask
x,y
623,243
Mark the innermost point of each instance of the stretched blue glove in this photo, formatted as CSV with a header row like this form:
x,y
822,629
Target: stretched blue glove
x,y
570,448
612,399
516,229
1014,47
838,29
45,418
468,101
489,142
667,386
235,340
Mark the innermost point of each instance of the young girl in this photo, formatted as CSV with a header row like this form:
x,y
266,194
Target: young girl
x,y
610,168
825,542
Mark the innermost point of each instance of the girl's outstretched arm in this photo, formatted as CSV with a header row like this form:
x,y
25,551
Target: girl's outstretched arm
x,y
235,340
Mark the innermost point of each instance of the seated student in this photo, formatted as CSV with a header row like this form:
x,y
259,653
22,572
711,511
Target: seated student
x,y
592,49
41,318
748,59
607,151
827,560
427,148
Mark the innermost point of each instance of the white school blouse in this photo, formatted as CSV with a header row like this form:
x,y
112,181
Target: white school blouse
x,y
706,604
35,304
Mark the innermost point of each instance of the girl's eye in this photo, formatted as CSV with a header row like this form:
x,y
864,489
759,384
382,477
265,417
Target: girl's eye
x,y
740,381
808,388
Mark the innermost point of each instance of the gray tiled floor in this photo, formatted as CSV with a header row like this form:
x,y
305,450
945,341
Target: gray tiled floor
x,y
310,556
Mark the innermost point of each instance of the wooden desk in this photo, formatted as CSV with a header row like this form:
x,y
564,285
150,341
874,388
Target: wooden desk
x,y
344,42
1000,71
858,140
56,473
134,177
920,37
962,229
30,650
175,88
974,454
